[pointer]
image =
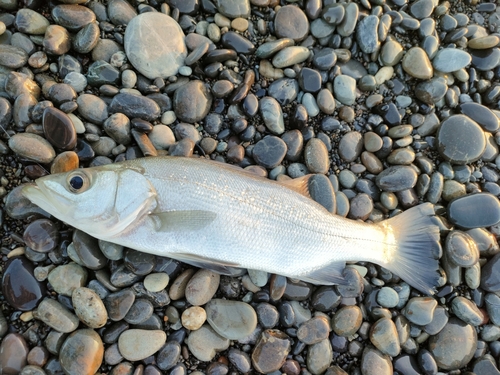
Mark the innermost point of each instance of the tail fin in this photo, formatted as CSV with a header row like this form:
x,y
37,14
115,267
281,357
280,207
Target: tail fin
x,y
415,259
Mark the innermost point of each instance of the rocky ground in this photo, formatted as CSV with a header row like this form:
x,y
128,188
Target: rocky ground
x,y
392,103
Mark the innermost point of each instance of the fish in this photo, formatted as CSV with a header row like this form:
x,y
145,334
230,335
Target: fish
x,y
221,217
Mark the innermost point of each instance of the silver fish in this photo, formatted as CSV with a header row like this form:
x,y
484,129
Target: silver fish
x,y
218,216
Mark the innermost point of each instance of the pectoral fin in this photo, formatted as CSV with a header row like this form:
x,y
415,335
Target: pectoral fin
x,y
224,268
183,221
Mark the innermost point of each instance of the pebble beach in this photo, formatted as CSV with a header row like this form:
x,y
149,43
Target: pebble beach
x,y
389,103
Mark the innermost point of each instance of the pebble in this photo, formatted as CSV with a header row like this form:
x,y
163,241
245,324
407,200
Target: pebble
x,y
416,63
19,286
314,330
119,303
384,336
387,297
449,60
419,310
56,316
454,346
344,88
270,351
319,356
89,307
32,147
204,343
232,320
154,44
291,22
156,282
201,287
490,277
467,311
192,101
66,278
396,178
374,362
347,321
13,354
138,344
316,156
134,106
271,113
486,211
193,317
289,56
454,145
169,355
269,152
82,352
461,249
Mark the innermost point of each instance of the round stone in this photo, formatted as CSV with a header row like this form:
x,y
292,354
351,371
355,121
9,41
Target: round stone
x,y
374,362
233,320
416,63
13,354
32,147
269,152
449,60
192,101
156,282
474,211
82,352
461,249
314,330
316,156
397,178
41,235
291,22
460,140
202,287
204,343
193,317
344,88
350,146
420,310
89,307
66,278
347,321
454,346
270,351
19,286
137,344
58,129
154,44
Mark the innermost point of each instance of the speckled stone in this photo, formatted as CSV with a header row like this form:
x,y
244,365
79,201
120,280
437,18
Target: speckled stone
x,y
233,320
270,351
82,352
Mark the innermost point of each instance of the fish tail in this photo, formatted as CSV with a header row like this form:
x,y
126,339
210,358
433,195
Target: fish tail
x,y
415,250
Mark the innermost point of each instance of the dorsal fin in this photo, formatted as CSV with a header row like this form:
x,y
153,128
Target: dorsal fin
x,y
299,184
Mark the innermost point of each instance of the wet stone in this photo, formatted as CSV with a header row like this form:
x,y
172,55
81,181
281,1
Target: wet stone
x,y
291,22
88,250
72,16
68,277
13,354
19,286
41,235
102,73
454,346
344,88
316,156
56,316
140,311
474,211
490,275
397,178
204,343
481,114
192,101
135,106
461,249
384,336
350,146
314,330
485,60
367,35
154,44
467,311
59,129
419,310
269,152
374,362
417,64
319,356
309,80
118,304
449,60
233,9
233,320
32,147
30,22
57,40
270,351
12,57
137,344
271,113
284,90
347,321
201,287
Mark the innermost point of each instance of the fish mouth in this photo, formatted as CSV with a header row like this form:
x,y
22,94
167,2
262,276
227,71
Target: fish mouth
x,y
46,199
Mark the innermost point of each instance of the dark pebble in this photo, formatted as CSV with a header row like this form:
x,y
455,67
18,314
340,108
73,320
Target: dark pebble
x,y
269,152
474,211
41,235
135,106
59,129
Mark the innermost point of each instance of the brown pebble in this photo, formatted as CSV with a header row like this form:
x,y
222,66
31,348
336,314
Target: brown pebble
x,y
178,287
59,129
38,356
65,162
13,354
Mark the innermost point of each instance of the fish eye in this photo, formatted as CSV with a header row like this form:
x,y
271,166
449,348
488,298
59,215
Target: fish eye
x,y
78,182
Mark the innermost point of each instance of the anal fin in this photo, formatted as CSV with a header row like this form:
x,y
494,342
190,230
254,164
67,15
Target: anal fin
x,y
331,274
223,268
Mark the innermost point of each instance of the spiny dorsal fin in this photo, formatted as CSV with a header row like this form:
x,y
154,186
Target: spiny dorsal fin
x,y
300,185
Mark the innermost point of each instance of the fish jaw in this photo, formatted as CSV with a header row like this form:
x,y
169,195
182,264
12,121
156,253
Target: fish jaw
x,y
48,200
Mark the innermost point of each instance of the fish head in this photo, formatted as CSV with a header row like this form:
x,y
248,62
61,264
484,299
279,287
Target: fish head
x,y
101,201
